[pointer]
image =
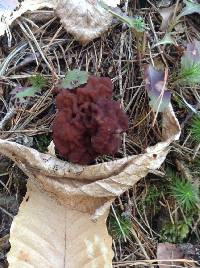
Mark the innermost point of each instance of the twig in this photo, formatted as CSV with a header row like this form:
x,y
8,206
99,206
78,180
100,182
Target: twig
x,y
140,244
6,212
7,117
118,222
153,262
155,35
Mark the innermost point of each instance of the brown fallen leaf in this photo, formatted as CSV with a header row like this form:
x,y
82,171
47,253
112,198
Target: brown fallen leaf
x,y
85,19
61,220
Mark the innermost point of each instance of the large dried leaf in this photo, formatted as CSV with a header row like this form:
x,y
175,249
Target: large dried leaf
x,y
84,19
62,217
47,234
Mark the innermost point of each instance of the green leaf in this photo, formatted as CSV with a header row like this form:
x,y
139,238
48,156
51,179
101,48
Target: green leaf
x,y
189,73
37,83
190,8
183,230
133,22
74,79
167,40
27,92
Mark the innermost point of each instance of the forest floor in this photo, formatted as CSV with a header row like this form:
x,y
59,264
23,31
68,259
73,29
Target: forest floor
x,y
156,217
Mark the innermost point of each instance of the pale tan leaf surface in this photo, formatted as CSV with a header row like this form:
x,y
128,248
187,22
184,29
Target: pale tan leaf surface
x,y
91,19
84,19
47,234
6,19
63,198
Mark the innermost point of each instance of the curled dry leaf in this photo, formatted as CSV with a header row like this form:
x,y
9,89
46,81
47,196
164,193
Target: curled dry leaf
x,y
84,19
62,218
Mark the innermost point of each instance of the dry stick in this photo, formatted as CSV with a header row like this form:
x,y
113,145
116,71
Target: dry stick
x,y
120,76
147,222
26,61
53,38
153,262
196,150
168,207
3,184
121,87
7,117
152,5
113,210
29,34
161,95
4,65
115,250
175,10
6,212
140,244
166,70
155,35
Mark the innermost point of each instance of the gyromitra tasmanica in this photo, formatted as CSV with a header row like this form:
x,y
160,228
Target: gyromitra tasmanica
x,y
88,122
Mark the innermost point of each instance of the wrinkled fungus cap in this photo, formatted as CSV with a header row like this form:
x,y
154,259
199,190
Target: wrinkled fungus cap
x,y
88,123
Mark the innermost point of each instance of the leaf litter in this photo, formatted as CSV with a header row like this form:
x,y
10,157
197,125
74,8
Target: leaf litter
x,y
101,58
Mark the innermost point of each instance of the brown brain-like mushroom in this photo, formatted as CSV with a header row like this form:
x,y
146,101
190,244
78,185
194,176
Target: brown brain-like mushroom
x,y
88,123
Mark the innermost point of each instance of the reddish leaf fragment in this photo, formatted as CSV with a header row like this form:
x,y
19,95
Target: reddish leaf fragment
x,y
193,51
155,85
168,251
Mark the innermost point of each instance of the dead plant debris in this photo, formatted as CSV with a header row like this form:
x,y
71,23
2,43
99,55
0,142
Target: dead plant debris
x,y
149,214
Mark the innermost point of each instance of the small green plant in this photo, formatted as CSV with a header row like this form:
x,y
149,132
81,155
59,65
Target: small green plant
x,y
185,193
137,22
74,78
152,195
174,233
120,228
195,128
42,142
37,83
189,74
